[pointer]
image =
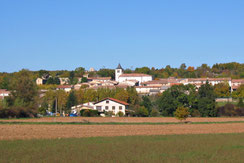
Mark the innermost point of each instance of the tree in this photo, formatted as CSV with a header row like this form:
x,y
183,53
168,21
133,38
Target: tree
x,y
141,111
222,90
24,88
146,102
206,100
71,101
181,113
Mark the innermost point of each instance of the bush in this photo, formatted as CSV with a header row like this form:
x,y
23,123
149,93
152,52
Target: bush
x,y
181,113
18,112
109,113
141,111
154,113
195,113
89,113
120,114
230,110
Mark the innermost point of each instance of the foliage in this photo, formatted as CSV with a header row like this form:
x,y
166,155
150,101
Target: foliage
x,y
106,73
71,101
18,112
89,113
206,101
181,113
141,111
222,90
24,90
177,95
120,114
154,113
230,110
109,113
239,93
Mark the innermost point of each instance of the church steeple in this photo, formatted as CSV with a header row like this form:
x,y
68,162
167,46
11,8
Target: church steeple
x,y
118,72
119,67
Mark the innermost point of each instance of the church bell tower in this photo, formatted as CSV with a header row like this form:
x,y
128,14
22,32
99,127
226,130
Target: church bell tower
x,y
118,72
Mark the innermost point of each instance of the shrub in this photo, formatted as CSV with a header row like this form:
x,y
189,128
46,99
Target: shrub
x,y
89,113
181,113
18,112
154,113
226,110
120,114
109,113
195,113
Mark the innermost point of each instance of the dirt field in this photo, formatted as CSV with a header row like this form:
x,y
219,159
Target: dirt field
x,y
124,119
10,132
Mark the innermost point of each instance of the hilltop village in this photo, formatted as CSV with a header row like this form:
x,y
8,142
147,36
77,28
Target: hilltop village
x,y
144,83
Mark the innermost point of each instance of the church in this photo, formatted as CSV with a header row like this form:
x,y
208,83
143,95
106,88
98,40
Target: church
x,y
121,77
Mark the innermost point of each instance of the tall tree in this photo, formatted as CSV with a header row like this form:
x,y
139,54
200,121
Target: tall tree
x,y
206,100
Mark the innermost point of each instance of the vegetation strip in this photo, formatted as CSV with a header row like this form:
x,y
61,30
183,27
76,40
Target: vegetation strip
x,y
111,123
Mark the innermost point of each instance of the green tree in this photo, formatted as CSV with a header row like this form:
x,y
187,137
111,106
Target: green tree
x,y
24,89
71,101
206,101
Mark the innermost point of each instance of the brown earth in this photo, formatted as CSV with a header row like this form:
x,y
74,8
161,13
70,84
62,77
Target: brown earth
x,y
124,119
10,132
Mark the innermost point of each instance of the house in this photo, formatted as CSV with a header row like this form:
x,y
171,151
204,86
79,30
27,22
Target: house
x,y
4,93
111,104
121,77
147,89
76,109
99,79
66,88
64,81
39,81
236,83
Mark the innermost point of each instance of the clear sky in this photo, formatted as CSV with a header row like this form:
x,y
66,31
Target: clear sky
x,y
58,34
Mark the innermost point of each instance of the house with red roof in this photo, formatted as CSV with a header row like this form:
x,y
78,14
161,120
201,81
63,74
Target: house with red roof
x,y
112,105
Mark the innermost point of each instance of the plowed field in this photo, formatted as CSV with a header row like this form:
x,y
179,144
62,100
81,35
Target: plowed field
x,y
123,119
10,132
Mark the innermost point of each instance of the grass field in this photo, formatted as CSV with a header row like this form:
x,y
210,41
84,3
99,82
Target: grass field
x,y
168,148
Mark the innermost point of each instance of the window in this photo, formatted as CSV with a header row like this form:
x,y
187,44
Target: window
x,y
107,102
120,108
99,108
118,71
106,107
113,107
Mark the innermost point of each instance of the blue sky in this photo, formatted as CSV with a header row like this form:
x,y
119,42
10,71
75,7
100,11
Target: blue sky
x,y
58,34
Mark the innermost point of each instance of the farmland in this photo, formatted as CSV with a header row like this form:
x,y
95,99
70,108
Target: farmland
x,y
166,148
121,139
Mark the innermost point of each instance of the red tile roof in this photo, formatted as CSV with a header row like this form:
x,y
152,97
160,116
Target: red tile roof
x,y
113,99
134,75
64,86
99,78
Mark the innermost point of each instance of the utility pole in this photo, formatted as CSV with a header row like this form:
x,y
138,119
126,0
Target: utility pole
x,y
56,106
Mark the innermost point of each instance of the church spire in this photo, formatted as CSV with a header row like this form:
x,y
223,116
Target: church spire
x,y
119,67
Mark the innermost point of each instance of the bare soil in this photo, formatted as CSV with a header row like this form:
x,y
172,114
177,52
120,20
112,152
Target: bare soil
x,y
11,132
123,119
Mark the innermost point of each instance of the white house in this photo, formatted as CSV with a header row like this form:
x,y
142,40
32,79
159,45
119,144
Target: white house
x,y
121,77
111,104
4,93
66,88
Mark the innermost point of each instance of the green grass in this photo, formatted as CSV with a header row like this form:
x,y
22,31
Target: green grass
x,y
110,123
171,148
